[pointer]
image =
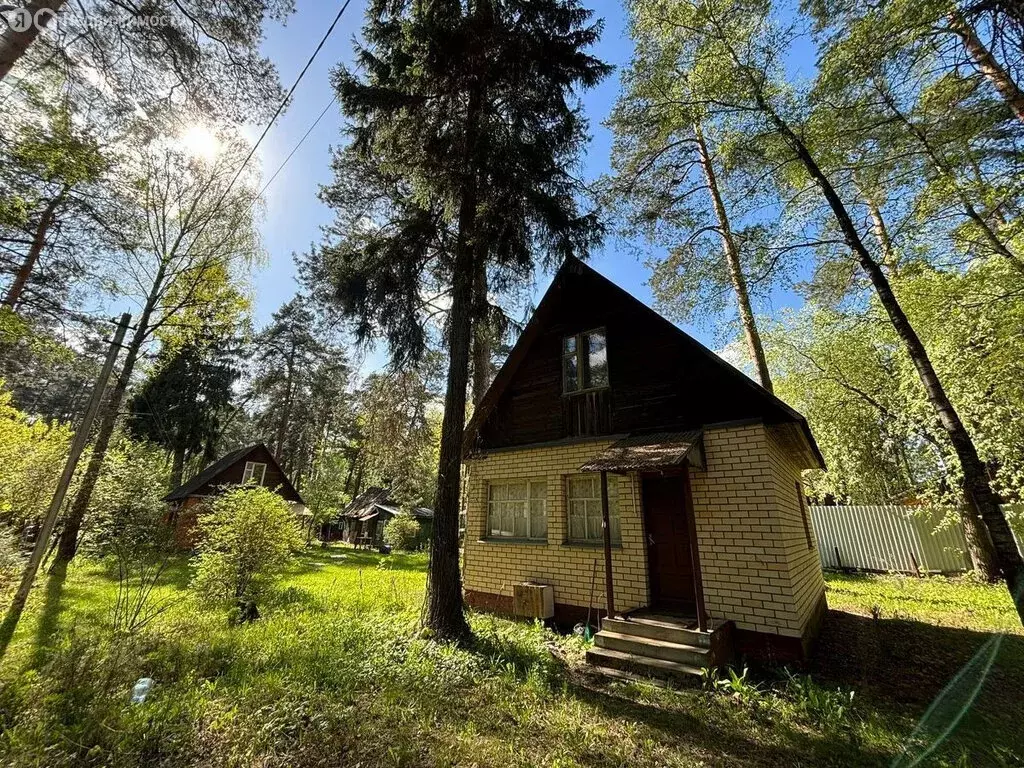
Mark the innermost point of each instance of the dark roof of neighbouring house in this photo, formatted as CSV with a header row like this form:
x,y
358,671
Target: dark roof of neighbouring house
x,y
376,499
194,484
546,308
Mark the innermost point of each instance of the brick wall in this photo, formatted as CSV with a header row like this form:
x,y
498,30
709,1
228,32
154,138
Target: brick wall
x,y
494,566
808,584
756,567
750,533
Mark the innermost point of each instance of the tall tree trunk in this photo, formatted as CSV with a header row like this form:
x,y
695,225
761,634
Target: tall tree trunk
x,y
981,500
445,617
177,466
68,543
481,334
987,64
881,233
732,259
285,417
14,44
444,610
979,546
38,243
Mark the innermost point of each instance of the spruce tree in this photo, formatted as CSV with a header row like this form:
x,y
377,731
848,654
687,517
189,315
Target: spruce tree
x,y
464,127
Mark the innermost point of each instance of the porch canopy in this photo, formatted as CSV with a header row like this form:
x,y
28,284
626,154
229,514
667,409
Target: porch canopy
x,y
655,452
650,453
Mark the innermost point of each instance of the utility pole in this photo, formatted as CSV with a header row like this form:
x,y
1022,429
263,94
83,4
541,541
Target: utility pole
x,y
46,530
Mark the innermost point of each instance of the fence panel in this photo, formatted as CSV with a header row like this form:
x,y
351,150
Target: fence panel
x,y
894,538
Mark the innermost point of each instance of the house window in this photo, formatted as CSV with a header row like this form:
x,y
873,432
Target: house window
x,y
254,472
585,361
518,510
803,513
583,494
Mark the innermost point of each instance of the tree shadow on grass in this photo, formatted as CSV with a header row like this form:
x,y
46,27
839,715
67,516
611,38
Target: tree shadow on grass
x,y
700,728
49,615
897,668
904,666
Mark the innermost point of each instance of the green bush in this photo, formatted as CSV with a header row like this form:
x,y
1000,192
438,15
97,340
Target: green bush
x,y
402,532
246,539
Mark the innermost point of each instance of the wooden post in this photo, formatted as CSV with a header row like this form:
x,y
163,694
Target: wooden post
x,y
691,524
609,590
46,530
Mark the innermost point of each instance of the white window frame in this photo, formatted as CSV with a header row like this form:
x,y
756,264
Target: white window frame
x,y
504,511
583,509
250,471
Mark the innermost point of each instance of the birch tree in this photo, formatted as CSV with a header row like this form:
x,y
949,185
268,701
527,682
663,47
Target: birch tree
x,y
183,235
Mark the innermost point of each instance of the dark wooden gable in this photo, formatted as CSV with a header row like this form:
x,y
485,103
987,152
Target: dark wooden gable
x,y
230,469
660,379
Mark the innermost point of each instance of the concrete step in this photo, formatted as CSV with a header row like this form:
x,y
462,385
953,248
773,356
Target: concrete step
x,y
644,666
638,645
658,629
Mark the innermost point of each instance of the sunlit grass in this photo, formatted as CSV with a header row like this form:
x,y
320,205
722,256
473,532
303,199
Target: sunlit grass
x,y
336,672
951,602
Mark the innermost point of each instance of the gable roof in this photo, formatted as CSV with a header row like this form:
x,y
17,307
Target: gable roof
x,y
212,472
573,267
376,499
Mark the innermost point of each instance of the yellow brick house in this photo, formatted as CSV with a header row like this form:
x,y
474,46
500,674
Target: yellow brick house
x,y
620,467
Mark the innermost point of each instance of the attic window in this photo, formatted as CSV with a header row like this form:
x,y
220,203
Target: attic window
x,y
254,472
585,361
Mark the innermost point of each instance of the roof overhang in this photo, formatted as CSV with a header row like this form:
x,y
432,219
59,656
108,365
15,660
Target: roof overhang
x,y
650,453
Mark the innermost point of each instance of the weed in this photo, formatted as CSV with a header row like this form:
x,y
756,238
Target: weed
x,y
827,709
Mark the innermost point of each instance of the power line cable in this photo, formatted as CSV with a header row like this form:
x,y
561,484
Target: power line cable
x,y
295,149
277,112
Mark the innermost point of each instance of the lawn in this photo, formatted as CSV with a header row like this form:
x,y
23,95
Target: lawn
x,y
335,673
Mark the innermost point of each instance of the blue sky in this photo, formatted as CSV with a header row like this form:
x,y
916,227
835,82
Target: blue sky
x,y
294,214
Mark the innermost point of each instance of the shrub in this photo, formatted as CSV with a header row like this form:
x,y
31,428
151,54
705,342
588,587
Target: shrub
x,y
246,538
402,532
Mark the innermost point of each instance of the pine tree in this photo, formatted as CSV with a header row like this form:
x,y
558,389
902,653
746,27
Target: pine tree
x,y
182,405
467,116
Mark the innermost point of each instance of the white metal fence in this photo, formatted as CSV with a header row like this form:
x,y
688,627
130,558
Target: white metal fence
x,y
896,538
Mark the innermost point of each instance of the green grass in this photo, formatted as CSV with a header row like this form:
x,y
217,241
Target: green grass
x,y
944,601
336,673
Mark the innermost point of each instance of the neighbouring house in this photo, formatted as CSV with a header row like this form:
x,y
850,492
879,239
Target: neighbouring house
x,y
604,410
252,464
362,521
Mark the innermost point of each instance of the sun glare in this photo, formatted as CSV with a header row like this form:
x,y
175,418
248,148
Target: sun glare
x,y
199,141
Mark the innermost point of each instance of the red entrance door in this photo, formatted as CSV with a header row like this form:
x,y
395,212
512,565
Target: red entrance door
x,y
668,545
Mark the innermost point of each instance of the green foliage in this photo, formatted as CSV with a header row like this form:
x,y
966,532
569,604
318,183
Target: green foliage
x,y
183,403
398,431
847,372
402,532
32,453
127,511
246,539
11,561
951,602
738,686
300,387
464,126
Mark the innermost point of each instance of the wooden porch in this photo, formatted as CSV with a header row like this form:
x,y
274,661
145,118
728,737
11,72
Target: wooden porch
x,y
656,645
